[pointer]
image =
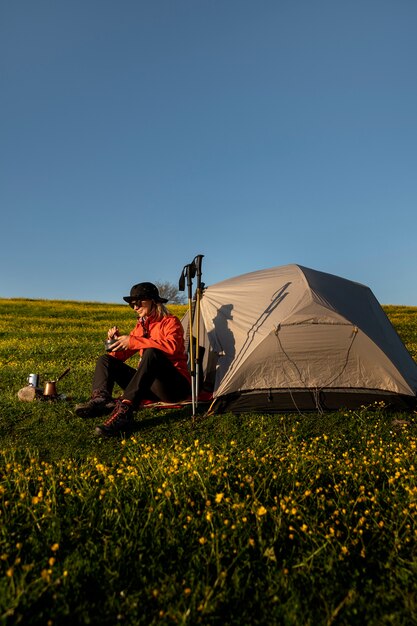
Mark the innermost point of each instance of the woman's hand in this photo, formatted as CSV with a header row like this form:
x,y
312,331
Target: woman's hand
x,y
113,332
122,343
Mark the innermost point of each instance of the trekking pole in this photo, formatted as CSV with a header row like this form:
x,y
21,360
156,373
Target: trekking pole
x,y
189,273
197,265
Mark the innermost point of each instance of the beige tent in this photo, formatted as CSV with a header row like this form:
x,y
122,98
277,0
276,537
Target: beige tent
x,y
292,338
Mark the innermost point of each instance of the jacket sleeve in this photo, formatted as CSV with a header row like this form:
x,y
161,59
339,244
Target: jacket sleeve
x,y
166,335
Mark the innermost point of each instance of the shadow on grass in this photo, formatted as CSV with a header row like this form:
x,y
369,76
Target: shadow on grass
x,y
144,420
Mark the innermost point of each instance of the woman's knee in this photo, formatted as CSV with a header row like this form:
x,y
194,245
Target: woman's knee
x,y
109,362
152,354
104,358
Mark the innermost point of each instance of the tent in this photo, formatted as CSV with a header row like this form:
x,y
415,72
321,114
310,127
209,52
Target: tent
x,y
293,338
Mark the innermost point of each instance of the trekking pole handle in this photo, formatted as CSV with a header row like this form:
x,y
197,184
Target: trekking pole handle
x,y
197,264
190,270
189,273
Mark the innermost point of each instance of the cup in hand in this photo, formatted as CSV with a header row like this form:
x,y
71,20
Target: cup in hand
x,y
109,343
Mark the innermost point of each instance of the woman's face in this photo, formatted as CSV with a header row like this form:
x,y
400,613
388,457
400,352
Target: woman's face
x,y
143,308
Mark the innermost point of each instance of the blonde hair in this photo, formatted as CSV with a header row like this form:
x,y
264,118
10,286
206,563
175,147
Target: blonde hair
x,y
160,310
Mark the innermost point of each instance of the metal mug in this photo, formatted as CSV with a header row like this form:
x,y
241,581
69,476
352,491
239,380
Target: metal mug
x,y
33,380
109,343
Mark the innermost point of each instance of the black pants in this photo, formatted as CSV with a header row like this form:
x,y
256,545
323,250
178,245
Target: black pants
x,y
155,379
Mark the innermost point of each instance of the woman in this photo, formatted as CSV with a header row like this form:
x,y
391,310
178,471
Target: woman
x,y
162,373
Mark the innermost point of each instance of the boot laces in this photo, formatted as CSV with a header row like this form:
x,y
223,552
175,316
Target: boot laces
x,y
120,411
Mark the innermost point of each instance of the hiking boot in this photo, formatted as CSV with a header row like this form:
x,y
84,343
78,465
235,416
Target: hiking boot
x,y
99,404
119,422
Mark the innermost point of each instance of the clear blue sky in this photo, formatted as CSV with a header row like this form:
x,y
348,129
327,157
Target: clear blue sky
x,y
136,134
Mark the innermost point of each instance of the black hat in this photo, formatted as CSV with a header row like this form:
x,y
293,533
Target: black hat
x,y
144,291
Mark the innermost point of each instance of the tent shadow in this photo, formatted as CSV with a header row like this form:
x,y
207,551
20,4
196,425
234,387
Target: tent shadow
x,y
276,299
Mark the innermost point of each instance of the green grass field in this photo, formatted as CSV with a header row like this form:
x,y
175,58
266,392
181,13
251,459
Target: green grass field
x,y
253,519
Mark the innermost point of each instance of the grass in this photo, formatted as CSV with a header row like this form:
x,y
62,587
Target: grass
x,y
253,519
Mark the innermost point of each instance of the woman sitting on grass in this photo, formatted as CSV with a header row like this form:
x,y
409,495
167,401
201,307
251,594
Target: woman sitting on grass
x,y
162,373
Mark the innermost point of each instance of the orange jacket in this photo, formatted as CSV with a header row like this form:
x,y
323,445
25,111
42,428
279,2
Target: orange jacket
x,y
166,335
